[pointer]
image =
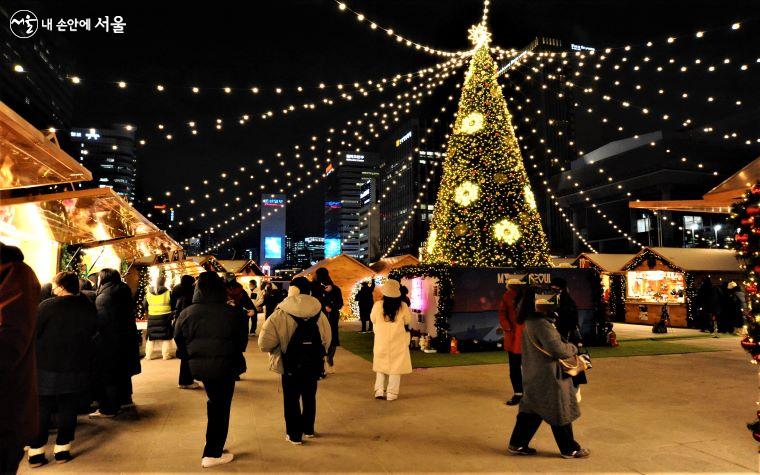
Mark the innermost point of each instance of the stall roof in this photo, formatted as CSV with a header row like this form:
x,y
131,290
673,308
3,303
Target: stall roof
x,y
562,261
241,266
385,265
341,261
211,261
81,216
695,260
30,158
606,262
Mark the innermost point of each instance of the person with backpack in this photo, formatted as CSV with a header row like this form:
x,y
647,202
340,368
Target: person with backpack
x,y
390,354
297,337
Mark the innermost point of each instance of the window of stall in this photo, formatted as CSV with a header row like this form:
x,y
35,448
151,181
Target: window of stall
x,y
656,286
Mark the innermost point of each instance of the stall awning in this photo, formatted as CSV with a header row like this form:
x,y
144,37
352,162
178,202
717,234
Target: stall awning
x,y
718,200
241,266
74,217
30,158
151,246
385,265
694,259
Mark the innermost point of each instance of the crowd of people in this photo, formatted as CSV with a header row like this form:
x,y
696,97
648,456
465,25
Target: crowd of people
x,y
76,346
720,308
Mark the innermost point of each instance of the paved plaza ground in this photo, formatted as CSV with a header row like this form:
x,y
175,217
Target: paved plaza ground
x,y
641,414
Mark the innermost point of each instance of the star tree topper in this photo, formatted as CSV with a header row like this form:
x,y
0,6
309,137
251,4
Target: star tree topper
x,y
479,35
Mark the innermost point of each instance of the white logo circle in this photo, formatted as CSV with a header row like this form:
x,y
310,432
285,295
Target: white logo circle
x,y
24,24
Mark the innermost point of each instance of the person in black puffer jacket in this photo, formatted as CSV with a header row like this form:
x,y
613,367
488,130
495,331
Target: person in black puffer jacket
x,y
158,302
213,336
181,298
118,346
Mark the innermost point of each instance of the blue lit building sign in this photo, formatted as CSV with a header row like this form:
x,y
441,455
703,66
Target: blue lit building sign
x,y
333,204
272,247
273,201
332,247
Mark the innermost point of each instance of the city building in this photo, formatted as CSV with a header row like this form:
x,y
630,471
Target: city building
x,y
410,172
33,79
661,165
272,239
342,200
305,252
369,222
109,154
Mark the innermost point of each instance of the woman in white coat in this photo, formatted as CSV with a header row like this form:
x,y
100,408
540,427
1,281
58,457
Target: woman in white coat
x,y
391,319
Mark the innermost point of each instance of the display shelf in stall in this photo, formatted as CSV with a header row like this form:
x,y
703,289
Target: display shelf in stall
x,y
29,157
660,276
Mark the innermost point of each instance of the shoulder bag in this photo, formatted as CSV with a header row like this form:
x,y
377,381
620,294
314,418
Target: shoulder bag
x,y
572,366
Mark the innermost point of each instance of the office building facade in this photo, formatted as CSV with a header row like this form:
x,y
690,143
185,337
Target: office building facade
x,y
343,190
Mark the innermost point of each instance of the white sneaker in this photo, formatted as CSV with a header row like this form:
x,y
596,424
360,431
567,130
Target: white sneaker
x,y
294,442
99,415
208,462
195,385
391,397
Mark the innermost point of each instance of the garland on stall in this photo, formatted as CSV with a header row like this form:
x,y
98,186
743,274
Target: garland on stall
x,y
601,319
690,291
617,297
442,272
142,286
71,260
745,218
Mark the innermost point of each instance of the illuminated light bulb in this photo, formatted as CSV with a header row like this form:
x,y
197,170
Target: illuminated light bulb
x,y
191,123
169,136
160,88
278,90
142,142
227,90
122,84
128,127
18,68
160,126
736,26
700,34
341,6
671,39
360,17
373,26
196,90
51,130
76,79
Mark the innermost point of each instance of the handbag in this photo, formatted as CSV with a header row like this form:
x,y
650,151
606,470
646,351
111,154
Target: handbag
x,y
572,366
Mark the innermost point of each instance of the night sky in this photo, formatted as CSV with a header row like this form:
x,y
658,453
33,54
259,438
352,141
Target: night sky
x,y
288,43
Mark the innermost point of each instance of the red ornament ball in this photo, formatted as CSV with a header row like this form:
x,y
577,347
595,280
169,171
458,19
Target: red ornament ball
x,y
749,344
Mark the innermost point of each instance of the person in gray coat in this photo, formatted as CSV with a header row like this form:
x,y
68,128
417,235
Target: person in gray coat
x,y
549,393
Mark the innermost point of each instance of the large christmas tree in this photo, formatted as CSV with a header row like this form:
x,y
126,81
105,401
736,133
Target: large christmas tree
x,y
485,214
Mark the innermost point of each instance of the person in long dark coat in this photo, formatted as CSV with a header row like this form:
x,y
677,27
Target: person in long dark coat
x,y
550,395
366,300
213,336
272,298
568,323
331,298
67,325
118,347
19,297
182,297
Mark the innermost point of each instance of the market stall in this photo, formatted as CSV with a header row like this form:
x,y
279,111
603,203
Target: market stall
x,y
667,276
345,272
245,270
610,270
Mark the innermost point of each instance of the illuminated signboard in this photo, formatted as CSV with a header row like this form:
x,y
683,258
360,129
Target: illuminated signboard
x,y
332,204
332,247
273,202
404,138
354,157
272,247
575,47
329,169
91,134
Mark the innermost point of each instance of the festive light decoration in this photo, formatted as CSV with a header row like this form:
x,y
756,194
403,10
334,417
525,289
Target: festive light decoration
x,y
141,291
502,216
472,123
466,193
530,198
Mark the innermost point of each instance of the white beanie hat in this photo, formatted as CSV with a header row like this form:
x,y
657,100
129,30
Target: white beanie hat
x,y
391,289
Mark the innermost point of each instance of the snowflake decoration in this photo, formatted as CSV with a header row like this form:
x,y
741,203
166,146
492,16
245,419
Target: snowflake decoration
x,y
530,198
479,35
431,241
472,123
507,231
466,193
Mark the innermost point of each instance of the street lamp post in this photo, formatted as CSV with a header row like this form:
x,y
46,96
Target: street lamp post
x,y
717,228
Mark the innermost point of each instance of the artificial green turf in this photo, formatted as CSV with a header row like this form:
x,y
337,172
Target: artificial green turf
x,y
361,345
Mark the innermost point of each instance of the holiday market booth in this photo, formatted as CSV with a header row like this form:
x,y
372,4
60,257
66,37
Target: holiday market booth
x,y
245,270
610,270
670,276
87,230
345,271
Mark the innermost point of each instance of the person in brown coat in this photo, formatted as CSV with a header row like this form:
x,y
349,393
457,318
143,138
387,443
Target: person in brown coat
x,y
19,296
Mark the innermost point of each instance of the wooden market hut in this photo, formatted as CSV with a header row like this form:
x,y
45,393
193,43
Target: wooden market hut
x,y
245,270
345,272
610,270
659,276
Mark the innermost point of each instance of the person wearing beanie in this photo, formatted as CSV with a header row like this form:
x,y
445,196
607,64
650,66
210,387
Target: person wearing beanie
x,y
331,297
390,355
297,337
512,331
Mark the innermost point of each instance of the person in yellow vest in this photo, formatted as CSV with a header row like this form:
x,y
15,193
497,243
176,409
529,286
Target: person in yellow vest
x,y
157,301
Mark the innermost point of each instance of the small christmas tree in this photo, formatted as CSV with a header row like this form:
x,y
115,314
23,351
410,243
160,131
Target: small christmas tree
x,y
485,214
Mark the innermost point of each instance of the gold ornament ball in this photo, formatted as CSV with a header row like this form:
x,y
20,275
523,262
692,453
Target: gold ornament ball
x,y
460,229
500,178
